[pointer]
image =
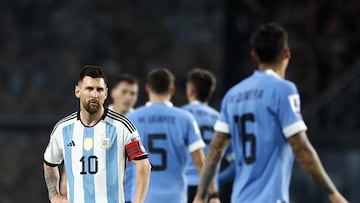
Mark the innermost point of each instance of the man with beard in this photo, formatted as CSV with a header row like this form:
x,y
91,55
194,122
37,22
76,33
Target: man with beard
x,y
124,94
91,143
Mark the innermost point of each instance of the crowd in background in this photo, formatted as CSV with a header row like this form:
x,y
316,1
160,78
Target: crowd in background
x,y
44,44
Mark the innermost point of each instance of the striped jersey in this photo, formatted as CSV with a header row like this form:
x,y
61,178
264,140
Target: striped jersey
x,y
206,117
94,157
260,113
130,176
169,134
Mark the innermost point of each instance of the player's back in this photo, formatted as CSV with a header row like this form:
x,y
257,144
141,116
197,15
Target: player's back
x,y
206,117
168,134
258,117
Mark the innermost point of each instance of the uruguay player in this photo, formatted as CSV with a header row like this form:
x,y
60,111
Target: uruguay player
x,y
200,86
262,116
168,134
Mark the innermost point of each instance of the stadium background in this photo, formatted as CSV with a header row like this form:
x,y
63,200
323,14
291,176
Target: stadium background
x,y
44,44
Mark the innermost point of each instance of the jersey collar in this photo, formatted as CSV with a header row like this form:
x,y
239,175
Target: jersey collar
x,y
271,72
195,102
166,102
102,117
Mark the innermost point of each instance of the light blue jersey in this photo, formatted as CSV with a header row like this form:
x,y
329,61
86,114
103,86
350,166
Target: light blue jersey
x,y
168,134
206,117
95,156
260,113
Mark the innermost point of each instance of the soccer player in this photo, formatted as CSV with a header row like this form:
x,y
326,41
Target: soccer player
x,y
200,86
94,143
124,96
168,134
262,116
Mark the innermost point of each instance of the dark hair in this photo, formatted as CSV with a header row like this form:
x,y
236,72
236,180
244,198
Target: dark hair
x,y
268,42
125,78
92,71
160,80
204,83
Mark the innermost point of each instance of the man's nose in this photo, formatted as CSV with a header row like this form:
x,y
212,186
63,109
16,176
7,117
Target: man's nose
x,y
95,93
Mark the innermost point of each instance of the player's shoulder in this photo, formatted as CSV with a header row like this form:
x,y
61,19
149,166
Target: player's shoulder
x,y
136,112
285,86
66,121
208,110
180,111
118,119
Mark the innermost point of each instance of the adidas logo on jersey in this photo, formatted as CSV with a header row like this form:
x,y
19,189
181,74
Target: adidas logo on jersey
x,y
71,144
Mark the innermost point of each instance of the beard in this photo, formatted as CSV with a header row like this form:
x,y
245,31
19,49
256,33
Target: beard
x,y
92,106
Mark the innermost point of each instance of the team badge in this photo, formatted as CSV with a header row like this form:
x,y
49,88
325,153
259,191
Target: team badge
x,y
105,143
88,144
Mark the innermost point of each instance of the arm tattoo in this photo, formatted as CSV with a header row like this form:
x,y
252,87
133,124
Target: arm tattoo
x,y
217,149
309,160
52,182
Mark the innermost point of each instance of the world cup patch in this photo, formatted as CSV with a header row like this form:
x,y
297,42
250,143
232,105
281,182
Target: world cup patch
x,y
294,100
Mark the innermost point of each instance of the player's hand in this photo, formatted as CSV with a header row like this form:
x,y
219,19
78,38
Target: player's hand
x,y
336,197
59,199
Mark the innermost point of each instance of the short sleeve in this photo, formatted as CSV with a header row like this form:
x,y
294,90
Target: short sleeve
x,y
289,110
53,155
134,147
195,141
222,124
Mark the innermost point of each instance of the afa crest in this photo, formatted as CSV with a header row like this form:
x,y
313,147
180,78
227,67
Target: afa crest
x,y
88,144
105,143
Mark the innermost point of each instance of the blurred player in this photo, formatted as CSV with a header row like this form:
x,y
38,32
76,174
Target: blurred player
x,y
262,116
169,134
200,86
91,143
124,95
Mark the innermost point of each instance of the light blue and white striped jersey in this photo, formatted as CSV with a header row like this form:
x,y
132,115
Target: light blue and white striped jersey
x,y
94,157
260,113
130,176
206,117
169,134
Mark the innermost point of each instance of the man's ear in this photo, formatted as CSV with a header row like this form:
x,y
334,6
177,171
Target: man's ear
x,y
253,56
147,88
172,90
106,92
190,91
77,91
287,53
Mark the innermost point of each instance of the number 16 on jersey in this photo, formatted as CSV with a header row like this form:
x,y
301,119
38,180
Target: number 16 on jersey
x,y
248,139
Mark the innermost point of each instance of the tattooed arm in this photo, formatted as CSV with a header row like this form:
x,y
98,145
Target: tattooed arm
x,y
52,178
308,158
216,151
